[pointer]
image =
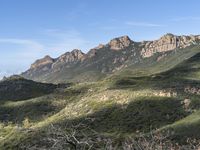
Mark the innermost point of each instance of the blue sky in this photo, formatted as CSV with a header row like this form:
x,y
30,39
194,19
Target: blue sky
x,y
30,29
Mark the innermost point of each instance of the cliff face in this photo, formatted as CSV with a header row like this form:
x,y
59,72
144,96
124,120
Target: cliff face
x,y
117,54
69,58
168,42
46,61
120,43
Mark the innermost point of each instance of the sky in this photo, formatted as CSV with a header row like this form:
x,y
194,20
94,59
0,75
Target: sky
x,y
31,29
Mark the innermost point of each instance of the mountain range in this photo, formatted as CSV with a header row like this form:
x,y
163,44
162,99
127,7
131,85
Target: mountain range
x,y
118,54
121,95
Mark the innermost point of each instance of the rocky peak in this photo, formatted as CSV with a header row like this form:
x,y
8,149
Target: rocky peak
x,y
100,46
69,57
167,38
78,54
47,57
93,51
42,62
115,44
168,42
74,55
120,43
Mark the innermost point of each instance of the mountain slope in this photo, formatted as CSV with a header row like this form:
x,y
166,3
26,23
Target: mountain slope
x,y
116,110
104,60
18,88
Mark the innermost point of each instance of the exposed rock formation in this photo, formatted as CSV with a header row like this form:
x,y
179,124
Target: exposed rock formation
x,y
168,42
47,64
93,51
120,43
69,57
46,61
72,56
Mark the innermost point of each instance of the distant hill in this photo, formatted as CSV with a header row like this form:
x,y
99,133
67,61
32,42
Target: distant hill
x,y
18,88
120,53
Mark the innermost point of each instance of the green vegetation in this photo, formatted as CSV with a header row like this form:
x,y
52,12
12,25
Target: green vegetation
x,y
146,100
18,88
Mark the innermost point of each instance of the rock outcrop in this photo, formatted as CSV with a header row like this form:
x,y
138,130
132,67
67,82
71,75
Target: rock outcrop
x,y
168,42
69,58
46,61
93,51
47,64
120,43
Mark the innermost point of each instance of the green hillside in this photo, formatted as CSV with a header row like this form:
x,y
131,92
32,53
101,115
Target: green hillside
x,y
18,88
133,106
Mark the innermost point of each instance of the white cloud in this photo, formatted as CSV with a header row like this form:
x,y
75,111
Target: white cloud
x,y
129,24
179,19
18,54
113,27
30,43
55,42
60,41
143,24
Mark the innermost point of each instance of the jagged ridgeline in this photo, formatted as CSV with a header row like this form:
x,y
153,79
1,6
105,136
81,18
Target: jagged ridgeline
x,y
119,54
